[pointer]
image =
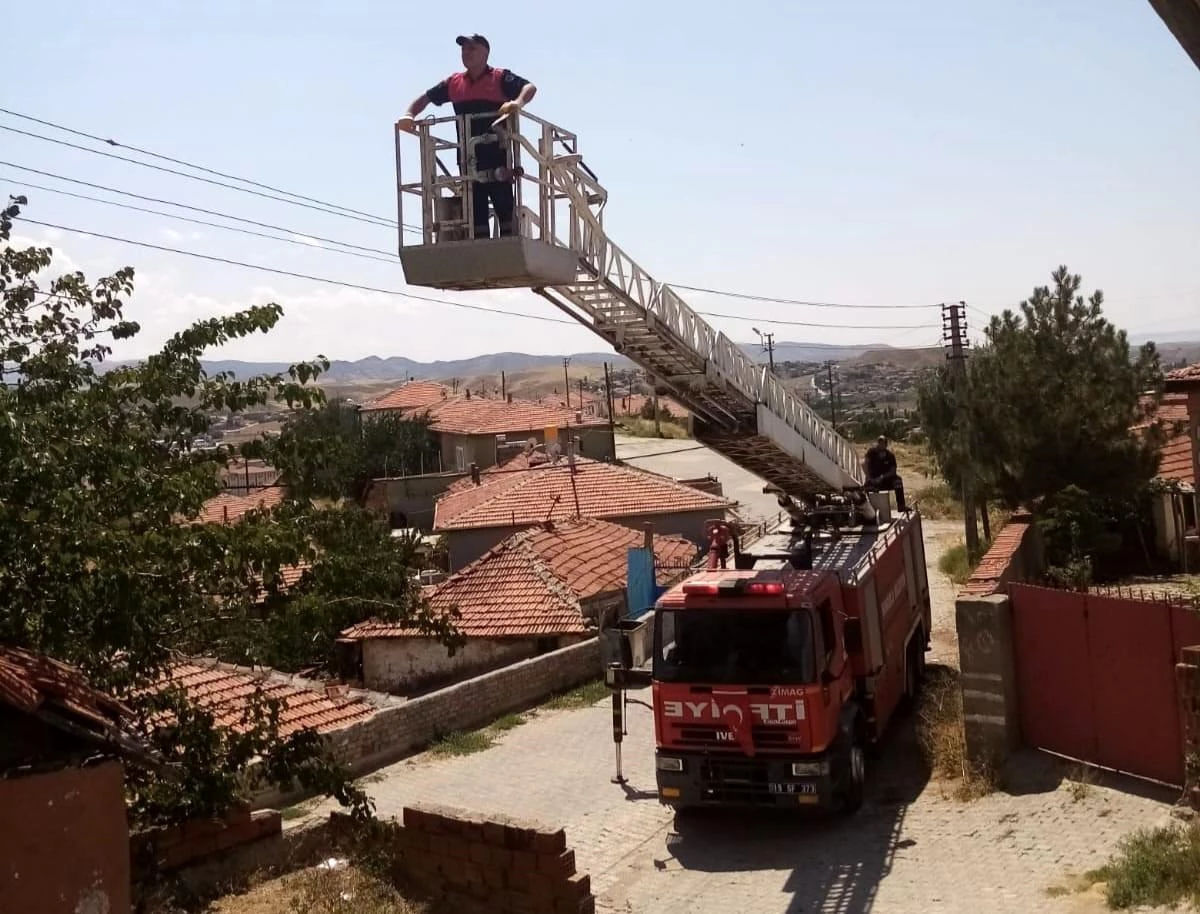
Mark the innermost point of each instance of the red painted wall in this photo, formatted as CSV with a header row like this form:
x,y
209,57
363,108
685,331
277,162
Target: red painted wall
x,y
64,842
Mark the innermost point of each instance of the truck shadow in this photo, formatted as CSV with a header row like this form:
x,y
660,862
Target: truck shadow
x,y
834,864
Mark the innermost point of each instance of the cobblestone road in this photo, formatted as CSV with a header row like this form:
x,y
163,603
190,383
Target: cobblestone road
x,y
910,849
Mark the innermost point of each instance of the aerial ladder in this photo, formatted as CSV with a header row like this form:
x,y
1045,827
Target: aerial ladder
x,y
560,250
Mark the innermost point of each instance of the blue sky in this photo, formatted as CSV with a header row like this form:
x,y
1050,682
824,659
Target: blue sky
x,y
867,153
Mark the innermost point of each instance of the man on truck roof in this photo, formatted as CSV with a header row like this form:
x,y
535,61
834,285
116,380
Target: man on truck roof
x,y
487,92
879,466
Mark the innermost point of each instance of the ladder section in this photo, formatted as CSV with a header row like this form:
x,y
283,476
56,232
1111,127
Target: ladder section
x,y
741,409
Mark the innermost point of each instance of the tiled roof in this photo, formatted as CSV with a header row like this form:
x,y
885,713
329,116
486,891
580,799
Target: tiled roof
x,y
1188,376
228,507
1175,454
413,395
551,492
224,690
533,583
1175,460
479,416
30,682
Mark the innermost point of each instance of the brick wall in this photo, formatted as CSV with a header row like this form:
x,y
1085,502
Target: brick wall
x,y
1015,555
468,863
165,849
398,729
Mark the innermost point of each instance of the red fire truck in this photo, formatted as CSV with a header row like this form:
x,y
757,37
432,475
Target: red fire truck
x,y
776,669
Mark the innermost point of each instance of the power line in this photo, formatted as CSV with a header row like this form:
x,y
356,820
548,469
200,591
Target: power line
x,y
787,323
756,319
347,212
194,209
372,220
792,301
278,272
228,228
186,164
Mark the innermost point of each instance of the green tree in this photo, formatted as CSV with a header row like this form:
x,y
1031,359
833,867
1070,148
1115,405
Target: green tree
x,y
333,452
1046,411
98,564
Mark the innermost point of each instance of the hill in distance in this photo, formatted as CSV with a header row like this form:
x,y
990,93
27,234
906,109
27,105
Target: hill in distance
x,y
1175,346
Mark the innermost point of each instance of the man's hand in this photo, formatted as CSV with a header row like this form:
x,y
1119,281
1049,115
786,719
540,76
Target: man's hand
x,y
509,108
407,124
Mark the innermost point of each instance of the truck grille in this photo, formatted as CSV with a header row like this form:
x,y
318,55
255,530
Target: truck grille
x,y
704,737
735,780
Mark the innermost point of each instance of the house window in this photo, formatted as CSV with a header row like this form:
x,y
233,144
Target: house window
x,y
460,458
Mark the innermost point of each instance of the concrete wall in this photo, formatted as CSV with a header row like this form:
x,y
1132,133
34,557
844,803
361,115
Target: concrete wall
x,y
465,546
412,496
406,664
596,443
983,618
64,842
400,728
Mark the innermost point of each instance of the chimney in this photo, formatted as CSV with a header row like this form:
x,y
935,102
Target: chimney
x,y
509,398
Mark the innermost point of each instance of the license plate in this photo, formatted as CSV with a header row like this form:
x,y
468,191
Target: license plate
x,y
792,788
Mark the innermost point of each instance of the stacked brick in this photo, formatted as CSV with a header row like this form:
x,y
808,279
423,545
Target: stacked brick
x,y
1187,675
1004,562
492,864
166,849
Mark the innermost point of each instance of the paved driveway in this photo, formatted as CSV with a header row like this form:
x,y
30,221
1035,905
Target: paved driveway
x,y
910,849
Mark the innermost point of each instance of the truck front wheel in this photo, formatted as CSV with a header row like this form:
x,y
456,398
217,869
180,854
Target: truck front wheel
x,y
854,777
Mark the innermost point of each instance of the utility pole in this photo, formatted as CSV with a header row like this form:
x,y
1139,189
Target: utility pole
x,y
612,419
768,344
954,334
582,382
566,380
832,407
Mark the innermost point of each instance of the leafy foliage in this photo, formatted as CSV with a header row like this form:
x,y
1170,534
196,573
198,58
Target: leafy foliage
x,y
334,452
1049,401
102,564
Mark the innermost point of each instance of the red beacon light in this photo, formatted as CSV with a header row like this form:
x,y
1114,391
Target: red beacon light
x,y
735,587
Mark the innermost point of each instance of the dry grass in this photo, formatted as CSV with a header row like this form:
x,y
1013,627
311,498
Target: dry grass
x,y
1081,778
347,890
583,696
940,730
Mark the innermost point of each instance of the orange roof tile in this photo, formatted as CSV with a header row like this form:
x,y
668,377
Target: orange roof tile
x,y
224,691
227,507
1175,454
1188,376
30,682
989,575
533,583
413,395
1175,460
481,416
552,491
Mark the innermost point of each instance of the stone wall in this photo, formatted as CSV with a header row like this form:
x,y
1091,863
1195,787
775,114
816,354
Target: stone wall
x,y
468,863
400,728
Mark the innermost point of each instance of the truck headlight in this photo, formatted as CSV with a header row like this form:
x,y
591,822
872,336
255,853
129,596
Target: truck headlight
x,y
666,763
809,769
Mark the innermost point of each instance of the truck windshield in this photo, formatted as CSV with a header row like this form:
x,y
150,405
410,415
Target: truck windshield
x,y
734,646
